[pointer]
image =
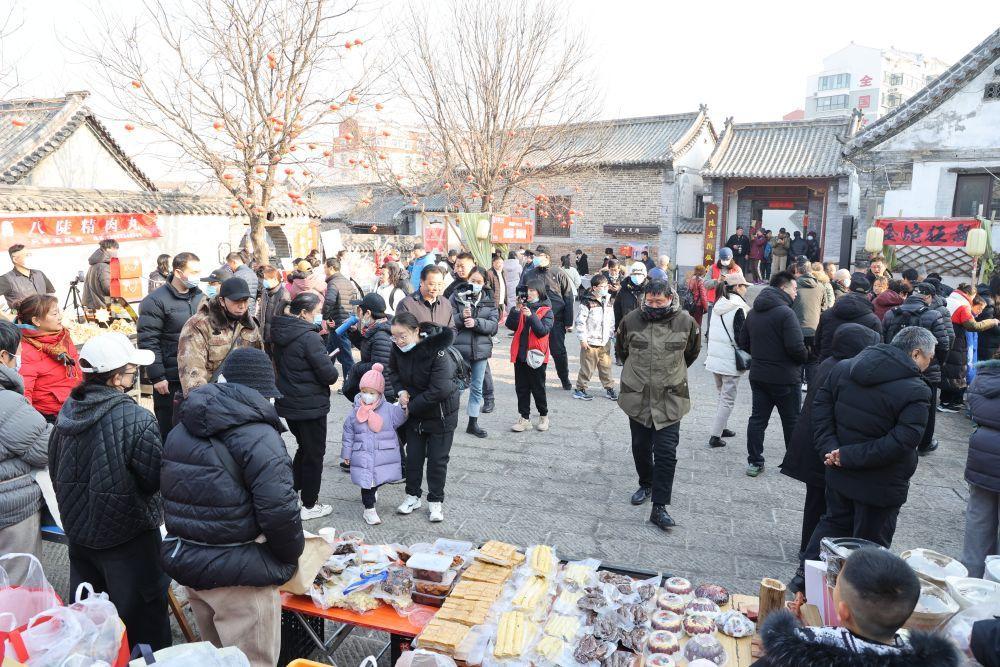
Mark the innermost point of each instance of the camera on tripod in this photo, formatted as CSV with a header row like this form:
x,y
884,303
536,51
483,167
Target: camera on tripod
x,y
79,279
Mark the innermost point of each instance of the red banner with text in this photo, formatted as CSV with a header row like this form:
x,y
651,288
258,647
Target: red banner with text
x,y
35,231
927,231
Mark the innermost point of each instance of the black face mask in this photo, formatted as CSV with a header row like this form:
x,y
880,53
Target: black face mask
x,y
653,314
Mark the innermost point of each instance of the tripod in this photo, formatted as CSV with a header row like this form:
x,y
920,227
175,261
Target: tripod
x,y
74,294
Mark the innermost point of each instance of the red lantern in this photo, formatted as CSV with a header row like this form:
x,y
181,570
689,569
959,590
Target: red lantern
x,y
312,147
352,98
227,177
129,127
306,174
334,107
379,106
374,229
289,171
348,137
386,133
217,125
348,44
358,42
381,156
136,84
18,122
447,186
258,170
353,161
327,153
424,164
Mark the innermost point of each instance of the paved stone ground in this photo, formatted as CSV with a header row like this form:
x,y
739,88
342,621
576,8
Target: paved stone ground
x,y
570,487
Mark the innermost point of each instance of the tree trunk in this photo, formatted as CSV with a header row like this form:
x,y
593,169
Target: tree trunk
x,y
261,251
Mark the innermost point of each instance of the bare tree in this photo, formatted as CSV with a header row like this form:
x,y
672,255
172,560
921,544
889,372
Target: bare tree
x,y
505,91
245,89
9,79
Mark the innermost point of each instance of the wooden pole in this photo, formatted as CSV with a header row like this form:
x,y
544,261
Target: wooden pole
x,y
772,598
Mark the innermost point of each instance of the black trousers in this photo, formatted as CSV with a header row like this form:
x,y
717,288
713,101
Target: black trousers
x,y
307,465
812,363
163,408
929,429
368,497
435,450
953,396
655,455
812,512
530,383
131,575
557,350
766,396
845,517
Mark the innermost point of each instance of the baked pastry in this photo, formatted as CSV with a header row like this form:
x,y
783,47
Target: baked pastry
x,y
635,639
668,620
671,602
488,572
550,648
659,660
592,600
621,659
646,592
466,612
563,627
702,606
698,624
543,561
633,614
623,583
590,649
606,629
442,636
735,624
513,634
499,553
713,592
705,647
678,585
476,590
661,641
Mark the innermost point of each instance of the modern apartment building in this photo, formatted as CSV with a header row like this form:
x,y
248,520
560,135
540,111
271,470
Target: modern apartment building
x,y
874,81
364,143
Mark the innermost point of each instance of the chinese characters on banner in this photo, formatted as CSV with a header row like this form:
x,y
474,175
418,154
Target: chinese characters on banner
x,y
866,81
36,231
506,229
864,101
435,237
927,231
711,232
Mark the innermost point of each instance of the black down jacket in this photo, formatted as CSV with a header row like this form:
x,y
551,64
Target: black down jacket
x,y
989,340
852,307
773,338
873,408
214,520
162,315
303,368
560,291
427,374
629,298
375,345
982,467
476,343
337,302
802,461
104,459
914,312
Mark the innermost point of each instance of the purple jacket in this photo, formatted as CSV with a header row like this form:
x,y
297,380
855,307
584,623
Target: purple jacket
x,y
757,247
374,456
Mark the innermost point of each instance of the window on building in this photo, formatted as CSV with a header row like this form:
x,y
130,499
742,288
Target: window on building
x,y
834,81
973,191
832,102
893,100
699,206
895,79
992,92
552,217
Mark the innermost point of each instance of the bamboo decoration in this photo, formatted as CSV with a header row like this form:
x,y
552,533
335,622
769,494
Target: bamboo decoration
x,y
772,598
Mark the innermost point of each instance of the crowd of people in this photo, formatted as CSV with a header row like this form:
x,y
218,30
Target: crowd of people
x,y
240,354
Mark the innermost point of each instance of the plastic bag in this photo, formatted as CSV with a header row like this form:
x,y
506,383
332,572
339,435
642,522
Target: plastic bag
x,y
49,638
421,658
992,569
22,600
106,639
959,627
202,654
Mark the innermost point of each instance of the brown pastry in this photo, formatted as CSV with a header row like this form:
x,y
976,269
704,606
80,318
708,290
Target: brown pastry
x,y
442,636
476,590
713,592
590,649
397,582
671,602
678,585
668,620
634,614
607,629
488,572
661,641
621,659
592,600
705,647
646,592
466,612
635,639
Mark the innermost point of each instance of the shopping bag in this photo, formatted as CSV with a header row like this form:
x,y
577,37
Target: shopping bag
x,y
107,641
202,654
48,638
314,554
22,600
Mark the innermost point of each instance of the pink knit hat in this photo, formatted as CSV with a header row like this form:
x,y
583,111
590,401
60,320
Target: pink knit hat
x,y
373,379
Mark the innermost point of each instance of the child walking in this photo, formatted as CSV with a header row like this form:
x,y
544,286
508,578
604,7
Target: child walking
x,y
595,325
531,321
371,447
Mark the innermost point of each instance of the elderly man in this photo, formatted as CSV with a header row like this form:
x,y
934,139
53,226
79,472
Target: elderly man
x,y
22,281
841,282
868,420
428,304
662,269
657,342
559,289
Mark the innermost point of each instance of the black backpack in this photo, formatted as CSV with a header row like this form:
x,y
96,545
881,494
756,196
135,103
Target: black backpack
x,y
687,298
463,371
902,319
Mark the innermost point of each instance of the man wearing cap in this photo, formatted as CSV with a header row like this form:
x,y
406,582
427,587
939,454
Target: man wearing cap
x,y
221,324
559,288
428,304
162,316
104,461
234,533
213,281
853,307
918,311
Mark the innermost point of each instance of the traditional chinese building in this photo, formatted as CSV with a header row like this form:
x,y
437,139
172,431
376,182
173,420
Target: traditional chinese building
x,y
936,156
783,174
65,184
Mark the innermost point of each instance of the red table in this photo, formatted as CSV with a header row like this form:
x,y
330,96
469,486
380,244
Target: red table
x,y
384,619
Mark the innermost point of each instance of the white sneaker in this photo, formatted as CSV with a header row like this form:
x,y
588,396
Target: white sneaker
x,y
437,512
521,425
543,424
315,512
409,504
371,517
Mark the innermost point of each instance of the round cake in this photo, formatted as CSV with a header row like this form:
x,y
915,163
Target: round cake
x,y
660,660
661,641
671,602
735,624
705,647
702,606
713,592
678,585
698,624
670,621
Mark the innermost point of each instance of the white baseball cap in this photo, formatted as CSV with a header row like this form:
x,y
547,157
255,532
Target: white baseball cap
x,y
111,351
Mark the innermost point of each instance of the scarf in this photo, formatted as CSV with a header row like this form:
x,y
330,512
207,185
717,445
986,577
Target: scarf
x,y
366,413
57,350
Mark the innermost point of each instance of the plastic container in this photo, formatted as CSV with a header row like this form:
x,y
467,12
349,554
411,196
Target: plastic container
x,y
429,600
933,567
934,608
453,547
442,587
968,592
835,550
429,567
355,536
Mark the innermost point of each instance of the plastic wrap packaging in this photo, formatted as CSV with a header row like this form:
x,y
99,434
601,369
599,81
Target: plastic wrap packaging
x,y
702,606
422,658
933,566
699,624
566,602
589,649
959,628
542,561
735,624
473,648
671,602
705,647
579,574
659,660
202,654
661,641
679,586
667,620
714,592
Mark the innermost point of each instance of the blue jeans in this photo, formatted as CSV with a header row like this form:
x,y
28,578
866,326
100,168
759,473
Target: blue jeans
x,y
344,356
476,390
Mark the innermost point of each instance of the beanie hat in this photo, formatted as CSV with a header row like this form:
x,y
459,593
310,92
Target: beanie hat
x,y
860,282
252,368
373,379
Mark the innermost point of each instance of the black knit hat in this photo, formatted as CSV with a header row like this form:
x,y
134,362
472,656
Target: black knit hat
x,y
252,368
860,282
235,289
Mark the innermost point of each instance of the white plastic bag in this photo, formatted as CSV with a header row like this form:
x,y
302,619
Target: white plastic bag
x,y
202,654
992,569
421,658
21,600
104,641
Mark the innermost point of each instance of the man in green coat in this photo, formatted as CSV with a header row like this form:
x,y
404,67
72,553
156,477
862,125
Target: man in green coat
x,y
657,342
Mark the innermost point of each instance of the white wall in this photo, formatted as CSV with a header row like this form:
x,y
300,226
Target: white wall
x,y
689,250
81,162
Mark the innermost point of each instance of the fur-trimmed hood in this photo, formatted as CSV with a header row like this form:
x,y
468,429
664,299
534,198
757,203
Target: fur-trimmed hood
x,y
789,644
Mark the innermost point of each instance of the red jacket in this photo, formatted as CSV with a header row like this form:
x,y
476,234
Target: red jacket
x,y
535,342
47,382
716,273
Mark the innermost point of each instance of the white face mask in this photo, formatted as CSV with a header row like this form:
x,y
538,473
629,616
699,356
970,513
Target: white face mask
x,y
367,398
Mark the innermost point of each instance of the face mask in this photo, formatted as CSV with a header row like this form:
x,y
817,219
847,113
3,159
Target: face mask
x,y
476,288
368,399
636,280
652,313
725,262
407,347
211,291
602,292
190,283
318,321
131,385
537,261
270,284
532,300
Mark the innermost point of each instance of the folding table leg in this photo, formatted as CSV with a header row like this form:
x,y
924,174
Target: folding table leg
x,y
178,611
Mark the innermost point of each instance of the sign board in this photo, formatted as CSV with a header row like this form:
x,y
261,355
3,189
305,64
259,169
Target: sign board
x,y
711,233
436,237
864,101
949,232
781,204
332,242
45,231
507,229
631,229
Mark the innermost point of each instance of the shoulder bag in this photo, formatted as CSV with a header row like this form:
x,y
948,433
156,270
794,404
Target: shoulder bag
x,y
742,357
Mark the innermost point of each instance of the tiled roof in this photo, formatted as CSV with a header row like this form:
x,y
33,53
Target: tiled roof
x,y
929,97
387,209
16,199
690,225
31,129
781,149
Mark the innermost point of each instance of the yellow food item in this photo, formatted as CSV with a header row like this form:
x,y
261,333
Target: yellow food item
x,y
500,552
568,599
531,594
442,636
466,612
543,561
476,590
513,634
563,627
549,647
578,574
488,572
